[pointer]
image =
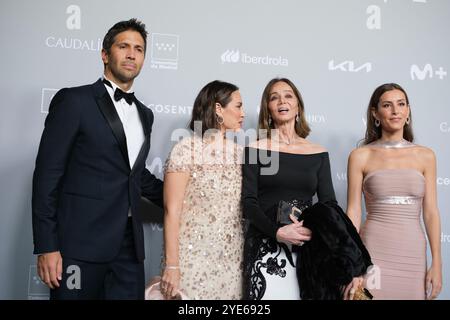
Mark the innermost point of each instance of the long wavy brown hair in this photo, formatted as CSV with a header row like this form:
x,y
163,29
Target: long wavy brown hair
x,y
301,126
373,132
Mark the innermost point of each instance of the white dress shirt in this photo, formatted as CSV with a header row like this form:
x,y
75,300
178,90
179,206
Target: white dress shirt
x,y
132,126
131,122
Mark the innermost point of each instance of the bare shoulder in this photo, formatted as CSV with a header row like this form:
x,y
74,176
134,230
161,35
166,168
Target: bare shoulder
x,y
314,147
317,148
425,154
359,157
360,154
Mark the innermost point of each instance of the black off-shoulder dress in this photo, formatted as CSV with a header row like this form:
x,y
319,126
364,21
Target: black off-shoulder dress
x,y
268,177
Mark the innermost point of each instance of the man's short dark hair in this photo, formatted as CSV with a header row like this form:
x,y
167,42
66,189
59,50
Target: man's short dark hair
x,y
132,24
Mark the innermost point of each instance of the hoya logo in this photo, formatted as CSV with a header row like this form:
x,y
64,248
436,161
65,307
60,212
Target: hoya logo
x,y
349,66
235,56
426,72
315,118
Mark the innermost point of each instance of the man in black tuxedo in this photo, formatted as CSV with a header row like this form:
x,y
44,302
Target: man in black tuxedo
x,y
89,177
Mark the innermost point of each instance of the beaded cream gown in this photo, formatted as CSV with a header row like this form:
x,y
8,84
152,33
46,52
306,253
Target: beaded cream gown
x,y
211,232
393,234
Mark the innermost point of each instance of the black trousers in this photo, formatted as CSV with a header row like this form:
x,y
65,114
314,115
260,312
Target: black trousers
x,y
122,278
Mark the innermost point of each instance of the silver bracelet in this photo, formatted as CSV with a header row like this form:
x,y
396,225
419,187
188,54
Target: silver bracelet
x,y
172,267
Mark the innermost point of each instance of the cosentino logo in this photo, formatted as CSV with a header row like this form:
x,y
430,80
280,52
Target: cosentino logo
x,y
235,56
170,108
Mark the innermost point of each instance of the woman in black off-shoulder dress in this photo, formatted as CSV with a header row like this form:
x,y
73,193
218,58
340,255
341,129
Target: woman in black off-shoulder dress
x,y
281,166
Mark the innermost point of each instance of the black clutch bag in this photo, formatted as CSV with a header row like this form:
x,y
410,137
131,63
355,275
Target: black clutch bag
x,y
294,207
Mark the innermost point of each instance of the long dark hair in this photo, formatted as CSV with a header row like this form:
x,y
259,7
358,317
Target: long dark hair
x,y
373,132
204,108
301,126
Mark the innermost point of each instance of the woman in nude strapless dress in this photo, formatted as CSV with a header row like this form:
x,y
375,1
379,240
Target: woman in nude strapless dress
x,y
398,181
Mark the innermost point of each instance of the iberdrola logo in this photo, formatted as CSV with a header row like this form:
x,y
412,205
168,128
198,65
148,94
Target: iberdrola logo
x,y
235,56
230,56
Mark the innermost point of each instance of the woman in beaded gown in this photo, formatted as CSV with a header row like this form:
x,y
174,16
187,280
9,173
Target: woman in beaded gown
x,y
297,170
398,180
203,236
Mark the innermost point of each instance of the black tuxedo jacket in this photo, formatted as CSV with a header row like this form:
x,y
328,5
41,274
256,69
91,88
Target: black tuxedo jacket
x,y
83,185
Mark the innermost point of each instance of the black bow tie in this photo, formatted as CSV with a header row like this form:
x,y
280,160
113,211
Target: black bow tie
x,y
119,94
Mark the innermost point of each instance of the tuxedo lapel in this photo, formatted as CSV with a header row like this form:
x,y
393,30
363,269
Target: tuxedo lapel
x,y
145,126
144,120
106,106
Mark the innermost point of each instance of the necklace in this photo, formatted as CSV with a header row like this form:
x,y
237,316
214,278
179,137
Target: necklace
x,y
392,144
286,142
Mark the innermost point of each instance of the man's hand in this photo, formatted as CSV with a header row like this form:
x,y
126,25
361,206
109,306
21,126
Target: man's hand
x,y
49,266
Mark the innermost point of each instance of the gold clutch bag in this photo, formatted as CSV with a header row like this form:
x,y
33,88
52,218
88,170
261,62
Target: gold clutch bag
x,y
362,294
